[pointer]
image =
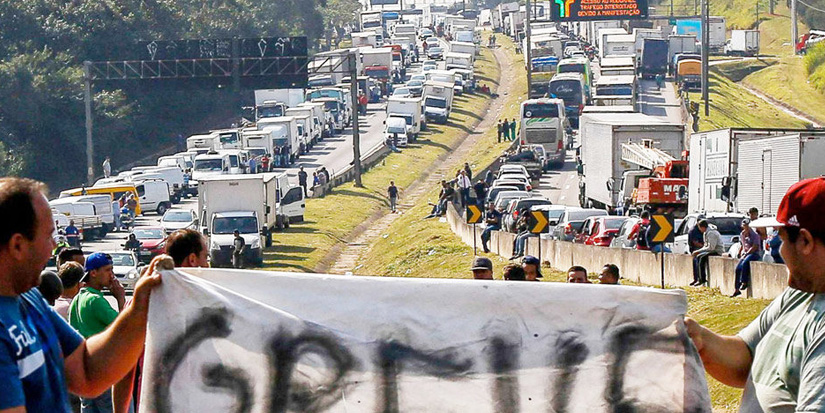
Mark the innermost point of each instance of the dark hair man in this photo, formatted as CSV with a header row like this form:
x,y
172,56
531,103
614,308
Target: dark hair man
x,y
778,358
50,286
532,268
609,274
577,275
514,272
70,275
712,245
482,268
57,358
187,248
71,254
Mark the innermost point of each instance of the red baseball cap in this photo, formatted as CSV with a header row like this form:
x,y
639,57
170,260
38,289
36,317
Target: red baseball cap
x,y
802,206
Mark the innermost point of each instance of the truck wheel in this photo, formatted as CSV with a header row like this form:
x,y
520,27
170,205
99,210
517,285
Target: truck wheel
x,y
104,230
162,208
286,222
176,199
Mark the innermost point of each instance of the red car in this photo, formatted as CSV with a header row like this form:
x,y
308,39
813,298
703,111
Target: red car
x,y
152,242
601,230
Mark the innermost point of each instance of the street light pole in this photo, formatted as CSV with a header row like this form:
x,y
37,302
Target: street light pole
x,y
705,55
87,97
356,133
527,51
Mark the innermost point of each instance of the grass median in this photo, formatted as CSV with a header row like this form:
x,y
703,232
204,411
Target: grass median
x,y
417,247
330,220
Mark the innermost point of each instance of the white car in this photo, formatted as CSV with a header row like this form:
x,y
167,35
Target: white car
x,y
176,219
427,66
728,225
510,168
431,41
402,92
126,267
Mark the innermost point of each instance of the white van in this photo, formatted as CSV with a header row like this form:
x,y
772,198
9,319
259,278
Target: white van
x,y
396,126
173,160
153,195
103,208
238,161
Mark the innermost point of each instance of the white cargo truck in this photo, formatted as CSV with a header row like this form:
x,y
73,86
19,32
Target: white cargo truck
x,y
602,33
463,47
206,141
618,45
315,127
364,39
602,136
743,43
323,115
769,166
453,60
714,171
284,134
438,100
411,109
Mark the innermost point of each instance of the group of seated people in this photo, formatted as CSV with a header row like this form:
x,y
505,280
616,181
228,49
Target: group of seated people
x,y
530,270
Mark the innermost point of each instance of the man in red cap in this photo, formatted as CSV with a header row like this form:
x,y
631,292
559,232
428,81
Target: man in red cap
x,y
780,357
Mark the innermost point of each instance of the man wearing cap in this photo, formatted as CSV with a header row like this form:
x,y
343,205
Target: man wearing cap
x,y
482,268
779,359
532,268
90,313
42,358
751,251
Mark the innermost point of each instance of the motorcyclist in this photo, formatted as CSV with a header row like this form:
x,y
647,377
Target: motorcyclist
x,y
133,244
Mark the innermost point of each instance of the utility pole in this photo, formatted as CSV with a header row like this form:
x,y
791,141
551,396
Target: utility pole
x,y
705,54
794,27
527,51
87,97
356,135
757,14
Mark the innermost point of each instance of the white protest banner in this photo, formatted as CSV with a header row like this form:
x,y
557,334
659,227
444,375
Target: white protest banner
x,y
256,341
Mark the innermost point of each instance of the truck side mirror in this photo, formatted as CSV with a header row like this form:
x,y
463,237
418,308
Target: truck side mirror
x,y
610,184
206,231
268,209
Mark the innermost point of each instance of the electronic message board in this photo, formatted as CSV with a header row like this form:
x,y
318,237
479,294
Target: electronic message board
x,y
573,10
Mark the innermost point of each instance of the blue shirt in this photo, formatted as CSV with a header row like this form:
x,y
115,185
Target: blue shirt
x,y
33,342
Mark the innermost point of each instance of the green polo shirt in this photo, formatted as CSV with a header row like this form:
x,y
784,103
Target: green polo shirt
x,y
90,313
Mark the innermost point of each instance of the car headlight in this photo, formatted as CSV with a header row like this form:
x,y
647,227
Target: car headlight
x,y
256,243
132,274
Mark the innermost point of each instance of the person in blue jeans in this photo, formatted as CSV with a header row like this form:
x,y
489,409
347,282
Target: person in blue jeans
x,y
493,220
751,251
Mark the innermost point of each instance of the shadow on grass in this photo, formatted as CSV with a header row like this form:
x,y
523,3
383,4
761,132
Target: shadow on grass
x,y
463,127
435,144
467,113
347,192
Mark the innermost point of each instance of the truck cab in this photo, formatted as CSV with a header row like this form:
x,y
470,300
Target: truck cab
x,y
336,109
269,109
221,228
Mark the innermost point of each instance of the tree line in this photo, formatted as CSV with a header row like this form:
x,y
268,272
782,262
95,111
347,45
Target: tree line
x,y
44,42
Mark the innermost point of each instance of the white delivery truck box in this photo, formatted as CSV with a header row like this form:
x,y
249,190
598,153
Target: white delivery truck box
x,y
285,133
411,109
315,125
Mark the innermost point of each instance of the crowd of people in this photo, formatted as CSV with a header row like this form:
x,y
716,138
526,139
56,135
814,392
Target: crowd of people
x,y
530,270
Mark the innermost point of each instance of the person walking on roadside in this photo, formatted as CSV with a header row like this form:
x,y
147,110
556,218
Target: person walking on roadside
x,y
499,130
253,166
506,127
107,167
392,193
480,188
131,203
238,250
116,215
712,246
513,129
91,314
265,162
302,179
326,174
751,251
468,171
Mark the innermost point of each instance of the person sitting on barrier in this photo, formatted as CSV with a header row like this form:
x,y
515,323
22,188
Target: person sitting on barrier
x,y
751,251
514,272
577,275
482,268
532,268
712,246
522,228
493,220
609,274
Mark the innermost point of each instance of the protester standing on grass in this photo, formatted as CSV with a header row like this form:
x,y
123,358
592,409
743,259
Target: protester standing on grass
x,y
480,188
302,179
513,129
499,130
506,127
464,185
778,358
392,193
107,167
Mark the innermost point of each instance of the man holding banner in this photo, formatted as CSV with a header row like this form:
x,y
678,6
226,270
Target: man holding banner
x,y
779,358
41,357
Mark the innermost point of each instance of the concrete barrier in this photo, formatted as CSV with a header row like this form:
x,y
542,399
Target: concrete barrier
x,y
348,173
645,267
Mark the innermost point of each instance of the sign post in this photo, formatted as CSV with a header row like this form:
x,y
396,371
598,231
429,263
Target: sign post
x,y
660,232
539,223
473,216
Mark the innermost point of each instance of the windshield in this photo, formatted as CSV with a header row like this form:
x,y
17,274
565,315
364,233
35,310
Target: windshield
x,y
615,90
177,216
613,223
279,142
269,112
256,152
436,103
531,203
727,226
401,91
331,105
320,81
582,214
233,161
168,162
208,164
148,233
415,83
573,68
379,73
396,129
300,129
443,78
540,110
120,259
543,135
555,214
228,225
569,90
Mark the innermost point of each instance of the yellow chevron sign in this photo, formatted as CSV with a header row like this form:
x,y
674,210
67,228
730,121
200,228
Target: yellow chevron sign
x,y
661,226
539,222
474,214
